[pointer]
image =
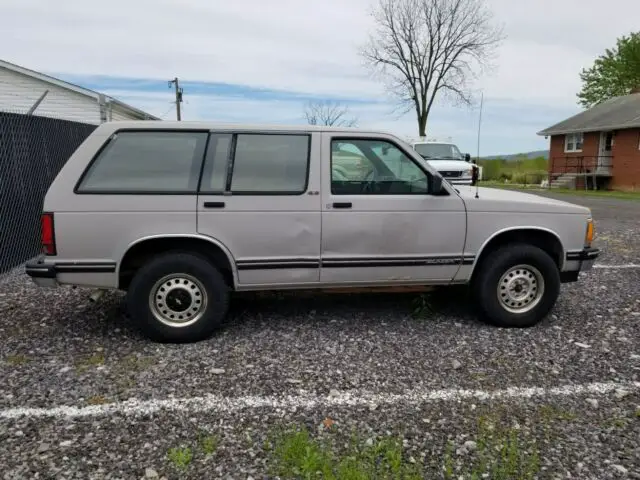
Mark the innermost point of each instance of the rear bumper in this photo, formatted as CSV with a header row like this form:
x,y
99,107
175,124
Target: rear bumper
x,y
42,274
46,274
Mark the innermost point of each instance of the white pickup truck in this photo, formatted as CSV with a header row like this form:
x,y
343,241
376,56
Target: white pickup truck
x,y
181,214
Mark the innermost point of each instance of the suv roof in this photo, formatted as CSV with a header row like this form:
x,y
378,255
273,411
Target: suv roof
x,y
190,125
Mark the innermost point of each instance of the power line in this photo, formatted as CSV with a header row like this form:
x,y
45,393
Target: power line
x,y
167,112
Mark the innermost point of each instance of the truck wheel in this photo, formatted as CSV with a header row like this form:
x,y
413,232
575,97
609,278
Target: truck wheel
x,y
177,298
516,286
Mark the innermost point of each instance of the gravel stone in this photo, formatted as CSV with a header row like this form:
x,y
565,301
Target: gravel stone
x,y
43,447
620,469
150,473
470,445
60,349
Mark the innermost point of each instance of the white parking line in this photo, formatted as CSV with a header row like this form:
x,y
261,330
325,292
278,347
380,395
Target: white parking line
x,y
617,267
220,404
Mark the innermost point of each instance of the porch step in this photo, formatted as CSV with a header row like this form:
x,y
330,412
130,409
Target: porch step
x,y
568,180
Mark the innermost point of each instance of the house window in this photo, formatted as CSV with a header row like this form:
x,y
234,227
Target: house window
x,y
573,142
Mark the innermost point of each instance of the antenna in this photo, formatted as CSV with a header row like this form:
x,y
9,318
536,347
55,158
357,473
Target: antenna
x,y
478,151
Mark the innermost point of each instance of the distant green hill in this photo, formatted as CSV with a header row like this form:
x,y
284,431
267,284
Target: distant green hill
x,y
514,156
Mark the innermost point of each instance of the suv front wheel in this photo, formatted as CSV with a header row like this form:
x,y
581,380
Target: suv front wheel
x,y
178,297
516,285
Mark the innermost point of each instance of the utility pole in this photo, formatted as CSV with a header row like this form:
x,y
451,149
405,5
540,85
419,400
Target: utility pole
x,y
178,96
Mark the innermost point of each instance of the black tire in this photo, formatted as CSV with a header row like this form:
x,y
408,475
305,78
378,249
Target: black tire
x,y
488,278
206,278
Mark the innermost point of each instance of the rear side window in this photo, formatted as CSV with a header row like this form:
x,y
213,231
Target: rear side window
x,y
255,164
147,162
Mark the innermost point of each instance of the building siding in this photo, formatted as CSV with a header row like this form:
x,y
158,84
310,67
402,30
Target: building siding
x,y
625,152
19,92
561,162
116,114
626,159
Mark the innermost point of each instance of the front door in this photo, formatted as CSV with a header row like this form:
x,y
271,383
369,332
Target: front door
x,y
605,152
380,222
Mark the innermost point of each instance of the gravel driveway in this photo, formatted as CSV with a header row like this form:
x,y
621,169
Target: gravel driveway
x,y
83,395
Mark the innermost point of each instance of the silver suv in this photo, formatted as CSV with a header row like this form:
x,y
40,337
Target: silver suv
x,y
179,215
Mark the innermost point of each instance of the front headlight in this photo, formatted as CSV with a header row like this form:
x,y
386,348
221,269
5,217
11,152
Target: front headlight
x,y
589,234
468,173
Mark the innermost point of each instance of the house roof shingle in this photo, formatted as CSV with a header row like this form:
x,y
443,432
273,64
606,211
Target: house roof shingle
x,y
614,114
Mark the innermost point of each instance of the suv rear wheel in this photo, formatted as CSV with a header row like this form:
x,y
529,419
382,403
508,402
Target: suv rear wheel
x,y
178,297
516,285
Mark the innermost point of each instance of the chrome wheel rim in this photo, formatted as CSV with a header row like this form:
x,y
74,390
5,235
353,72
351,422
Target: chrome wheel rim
x,y
178,300
520,289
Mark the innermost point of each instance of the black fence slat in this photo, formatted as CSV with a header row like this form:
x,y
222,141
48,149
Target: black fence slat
x,y
33,149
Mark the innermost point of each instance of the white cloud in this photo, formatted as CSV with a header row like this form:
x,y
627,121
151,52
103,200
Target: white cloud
x,y
310,47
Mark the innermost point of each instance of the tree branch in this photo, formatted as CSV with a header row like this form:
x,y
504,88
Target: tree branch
x,y
422,48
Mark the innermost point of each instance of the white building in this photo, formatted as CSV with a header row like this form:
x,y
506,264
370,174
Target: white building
x,y
21,89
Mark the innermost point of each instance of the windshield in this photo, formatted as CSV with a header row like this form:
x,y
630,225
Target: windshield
x,y
438,151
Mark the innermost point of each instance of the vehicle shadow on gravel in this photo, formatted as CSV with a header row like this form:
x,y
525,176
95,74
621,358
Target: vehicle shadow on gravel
x,y
372,308
82,325
252,310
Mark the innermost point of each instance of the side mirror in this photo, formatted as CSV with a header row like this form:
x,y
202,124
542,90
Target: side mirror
x,y
467,157
436,184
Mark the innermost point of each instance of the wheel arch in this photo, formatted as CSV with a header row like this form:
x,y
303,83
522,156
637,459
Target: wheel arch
x,y
145,248
541,237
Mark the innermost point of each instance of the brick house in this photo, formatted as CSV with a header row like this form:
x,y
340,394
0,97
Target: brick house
x,y
599,147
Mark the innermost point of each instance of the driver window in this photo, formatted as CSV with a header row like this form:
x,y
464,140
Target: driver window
x,y
373,167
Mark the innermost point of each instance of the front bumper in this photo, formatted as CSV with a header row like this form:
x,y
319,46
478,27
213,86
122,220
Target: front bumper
x,y
587,257
459,180
579,261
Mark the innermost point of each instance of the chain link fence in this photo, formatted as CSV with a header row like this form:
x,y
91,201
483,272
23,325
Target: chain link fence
x,y
32,151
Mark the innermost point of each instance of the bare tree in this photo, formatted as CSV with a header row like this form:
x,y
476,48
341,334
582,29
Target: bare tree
x,y
426,47
329,113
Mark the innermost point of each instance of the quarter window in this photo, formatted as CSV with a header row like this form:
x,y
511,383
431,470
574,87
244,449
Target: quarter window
x,y
378,167
573,142
214,175
147,162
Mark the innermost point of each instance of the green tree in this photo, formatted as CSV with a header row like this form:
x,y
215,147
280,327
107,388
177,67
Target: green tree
x,y
615,73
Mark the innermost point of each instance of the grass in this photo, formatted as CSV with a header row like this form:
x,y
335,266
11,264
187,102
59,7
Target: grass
x,y
17,359
421,306
97,400
208,443
498,453
617,194
94,360
296,454
501,453
180,457
134,363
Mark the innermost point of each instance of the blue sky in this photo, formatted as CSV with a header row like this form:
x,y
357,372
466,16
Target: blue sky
x,y
241,61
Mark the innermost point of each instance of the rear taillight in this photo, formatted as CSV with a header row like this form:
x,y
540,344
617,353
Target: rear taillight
x,y
48,234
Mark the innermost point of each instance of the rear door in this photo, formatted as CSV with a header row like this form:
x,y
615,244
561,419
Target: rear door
x,y
259,196
380,221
